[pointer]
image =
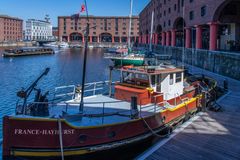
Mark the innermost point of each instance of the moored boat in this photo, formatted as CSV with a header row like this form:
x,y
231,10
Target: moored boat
x,y
120,59
146,101
27,51
63,45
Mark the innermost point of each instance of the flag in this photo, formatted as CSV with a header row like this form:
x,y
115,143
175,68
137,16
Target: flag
x,y
83,8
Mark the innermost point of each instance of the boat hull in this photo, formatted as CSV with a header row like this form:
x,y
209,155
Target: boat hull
x,y
126,62
39,137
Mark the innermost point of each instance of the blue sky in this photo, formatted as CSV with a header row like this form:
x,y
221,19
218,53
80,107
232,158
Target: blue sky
x,y
37,9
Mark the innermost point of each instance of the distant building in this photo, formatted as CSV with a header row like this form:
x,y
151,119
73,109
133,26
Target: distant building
x,y
55,32
103,29
11,28
200,24
38,30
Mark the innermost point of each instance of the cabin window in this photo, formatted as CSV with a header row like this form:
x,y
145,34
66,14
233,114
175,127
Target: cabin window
x,y
178,77
128,77
158,78
153,80
142,80
136,79
171,79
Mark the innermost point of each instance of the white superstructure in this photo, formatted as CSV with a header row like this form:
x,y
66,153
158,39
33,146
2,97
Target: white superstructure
x,y
38,30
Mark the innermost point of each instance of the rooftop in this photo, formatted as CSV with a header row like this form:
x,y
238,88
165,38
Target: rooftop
x,y
92,16
153,69
6,16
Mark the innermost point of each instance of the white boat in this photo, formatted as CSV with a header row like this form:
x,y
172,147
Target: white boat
x,y
63,45
90,46
52,44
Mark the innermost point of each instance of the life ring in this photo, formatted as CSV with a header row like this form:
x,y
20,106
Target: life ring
x,y
150,90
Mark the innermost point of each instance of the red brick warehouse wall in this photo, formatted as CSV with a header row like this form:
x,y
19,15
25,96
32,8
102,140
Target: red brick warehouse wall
x,y
108,29
11,29
205,24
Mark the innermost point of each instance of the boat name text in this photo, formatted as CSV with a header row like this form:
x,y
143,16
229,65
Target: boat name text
x,y
42,132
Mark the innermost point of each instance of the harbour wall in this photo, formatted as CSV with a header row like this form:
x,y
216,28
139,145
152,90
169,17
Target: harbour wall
x,y
220,62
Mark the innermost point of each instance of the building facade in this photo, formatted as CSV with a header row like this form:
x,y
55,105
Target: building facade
x,y
11,29
205,24
55,32
37,30
102,29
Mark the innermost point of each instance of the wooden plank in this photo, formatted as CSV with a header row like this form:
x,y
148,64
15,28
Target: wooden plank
x,y
211,136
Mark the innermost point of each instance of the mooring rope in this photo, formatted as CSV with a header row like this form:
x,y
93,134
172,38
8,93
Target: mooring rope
x,y
60,137
154,132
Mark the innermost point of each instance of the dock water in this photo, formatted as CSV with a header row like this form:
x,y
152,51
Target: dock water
x,y
209,135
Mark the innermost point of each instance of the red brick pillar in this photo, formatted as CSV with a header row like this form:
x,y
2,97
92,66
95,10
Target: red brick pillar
x,y
213,36
163,38
113,40
90,39
120,39
153,40
198,37
140,39
188,38
83,39
156,38
168,38
98,39
173,39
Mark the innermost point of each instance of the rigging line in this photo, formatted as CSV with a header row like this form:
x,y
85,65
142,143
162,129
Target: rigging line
x,y
61,138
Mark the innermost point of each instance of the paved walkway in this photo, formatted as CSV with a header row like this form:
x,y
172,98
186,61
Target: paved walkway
x,y
210,135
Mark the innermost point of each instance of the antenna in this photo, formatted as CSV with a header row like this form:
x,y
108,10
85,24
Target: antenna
x,y
47,18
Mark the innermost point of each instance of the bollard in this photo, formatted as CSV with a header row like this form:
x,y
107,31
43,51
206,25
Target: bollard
x,y
204,101
134,108
225,84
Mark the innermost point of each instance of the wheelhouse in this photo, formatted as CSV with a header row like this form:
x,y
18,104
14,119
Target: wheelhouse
x,y
165,80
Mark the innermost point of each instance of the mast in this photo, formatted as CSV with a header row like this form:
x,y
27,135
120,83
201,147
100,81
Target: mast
x,y
151,35
84,61
130,25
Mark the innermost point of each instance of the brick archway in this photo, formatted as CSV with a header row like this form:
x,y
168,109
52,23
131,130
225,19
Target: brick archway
x,y
159,34
179,25
106,37
76,37
227,18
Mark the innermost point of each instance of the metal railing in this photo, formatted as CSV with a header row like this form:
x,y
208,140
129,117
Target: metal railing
x,y
64,107
91,89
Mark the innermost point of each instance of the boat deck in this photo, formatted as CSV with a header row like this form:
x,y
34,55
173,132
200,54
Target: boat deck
x,y
99,110
115,111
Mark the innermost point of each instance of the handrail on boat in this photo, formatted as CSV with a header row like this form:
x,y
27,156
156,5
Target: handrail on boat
x,y
94,87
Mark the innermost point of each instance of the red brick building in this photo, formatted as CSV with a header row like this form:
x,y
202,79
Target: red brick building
x,y
11,28
103,29
201,24
55,32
